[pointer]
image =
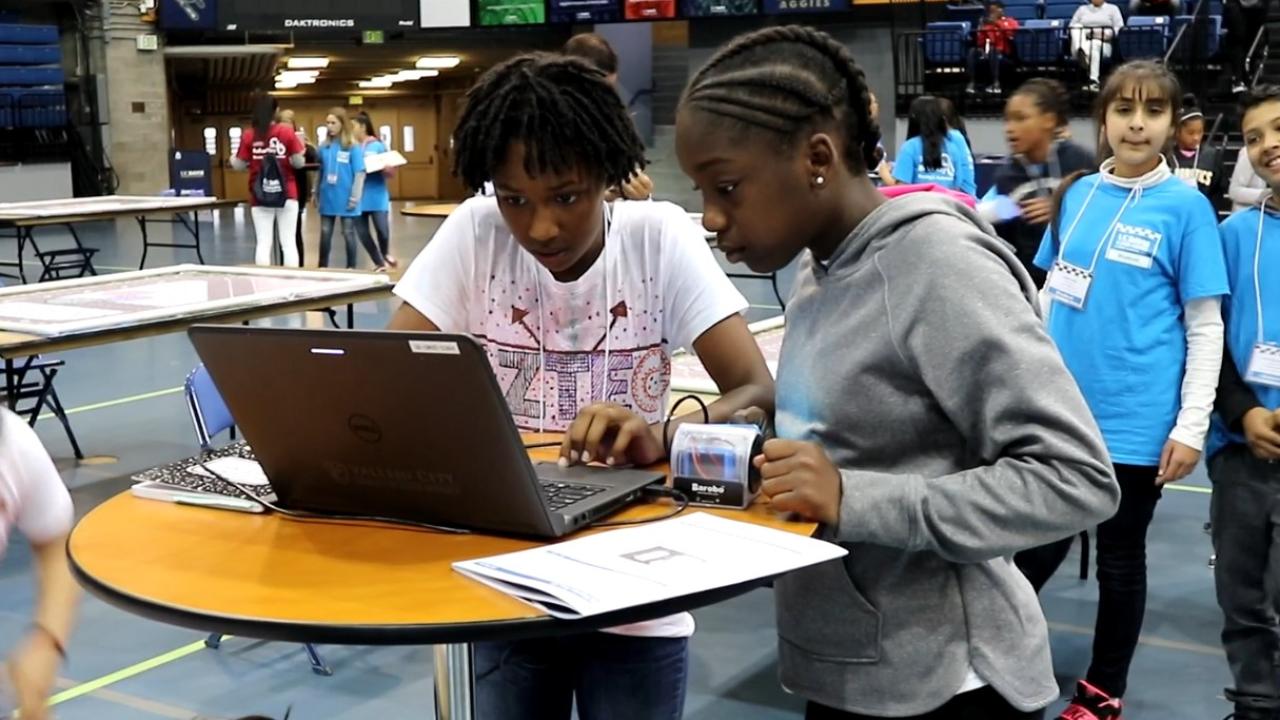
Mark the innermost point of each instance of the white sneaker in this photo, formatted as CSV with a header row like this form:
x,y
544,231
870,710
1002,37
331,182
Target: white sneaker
x,y
1239,88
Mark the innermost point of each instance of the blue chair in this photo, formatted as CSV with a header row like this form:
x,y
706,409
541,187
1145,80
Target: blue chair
x,y
1040,42
946,44
1143,37
971,14
1201,41
210,415
1023,13
1060,11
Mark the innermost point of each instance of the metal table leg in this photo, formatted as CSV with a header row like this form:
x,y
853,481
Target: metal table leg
x,y
10,384
351,316
455,682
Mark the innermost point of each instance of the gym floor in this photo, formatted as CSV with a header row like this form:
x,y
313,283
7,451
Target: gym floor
x,y
128,412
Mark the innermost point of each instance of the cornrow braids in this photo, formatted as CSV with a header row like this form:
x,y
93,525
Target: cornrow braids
x,y
563,110
786,80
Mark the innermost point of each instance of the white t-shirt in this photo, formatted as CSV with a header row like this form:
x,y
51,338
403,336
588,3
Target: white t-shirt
x,y
655,288
32,496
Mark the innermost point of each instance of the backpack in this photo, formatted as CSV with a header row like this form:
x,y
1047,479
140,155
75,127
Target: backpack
x,y
268,187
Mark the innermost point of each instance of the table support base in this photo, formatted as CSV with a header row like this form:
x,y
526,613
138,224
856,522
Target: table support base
x,y
455,682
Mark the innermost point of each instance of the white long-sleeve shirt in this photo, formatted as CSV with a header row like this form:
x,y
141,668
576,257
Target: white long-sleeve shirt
x,y
1246,188
1098,16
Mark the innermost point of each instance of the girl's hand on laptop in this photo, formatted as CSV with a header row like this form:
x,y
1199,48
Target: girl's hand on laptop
x,y
798,477
611,434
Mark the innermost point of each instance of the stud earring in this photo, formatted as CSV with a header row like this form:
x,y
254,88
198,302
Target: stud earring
x,y
819,181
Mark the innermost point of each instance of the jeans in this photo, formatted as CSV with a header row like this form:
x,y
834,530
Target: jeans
x,y
264,230
381,228
1245,515
327,223
1121,551
612,677
981,704
994,58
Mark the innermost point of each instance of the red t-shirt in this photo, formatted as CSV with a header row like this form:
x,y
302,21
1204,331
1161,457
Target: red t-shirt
x,y
999,34
650,9
280,142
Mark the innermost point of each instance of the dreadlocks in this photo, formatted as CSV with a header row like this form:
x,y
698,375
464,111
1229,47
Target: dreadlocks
x,y
561,109
788,80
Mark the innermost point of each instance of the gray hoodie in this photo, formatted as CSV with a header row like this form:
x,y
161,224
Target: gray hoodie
x,y
918,360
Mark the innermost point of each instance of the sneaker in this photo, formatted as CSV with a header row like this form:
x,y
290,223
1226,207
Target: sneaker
x,y
1238,88
1090,703
970,89
993,90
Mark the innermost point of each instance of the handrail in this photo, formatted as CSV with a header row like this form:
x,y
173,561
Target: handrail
x,y
1201,9
1257,40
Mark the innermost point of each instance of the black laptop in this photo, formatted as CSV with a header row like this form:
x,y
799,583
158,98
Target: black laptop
x,y
403,425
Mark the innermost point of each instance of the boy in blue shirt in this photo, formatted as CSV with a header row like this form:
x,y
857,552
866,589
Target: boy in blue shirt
x,y
1244,444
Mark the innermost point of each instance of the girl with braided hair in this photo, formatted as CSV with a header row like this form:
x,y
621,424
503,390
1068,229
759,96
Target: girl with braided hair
x,y
924,417
579,304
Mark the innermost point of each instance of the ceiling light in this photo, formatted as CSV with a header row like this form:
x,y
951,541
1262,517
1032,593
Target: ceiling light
x,y
412,75
438,63
297,74
308,63
294,80
375,83
282,85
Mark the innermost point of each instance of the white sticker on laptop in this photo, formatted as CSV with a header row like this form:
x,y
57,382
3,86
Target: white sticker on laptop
x,y
434,347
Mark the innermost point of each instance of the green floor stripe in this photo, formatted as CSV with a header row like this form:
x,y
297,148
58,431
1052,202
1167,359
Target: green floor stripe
x,y
119,401
126,673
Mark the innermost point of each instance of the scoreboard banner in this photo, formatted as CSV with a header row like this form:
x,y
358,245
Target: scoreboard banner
x,y
650,9
511,12
590,11
445,13
782,7
316,15
718,8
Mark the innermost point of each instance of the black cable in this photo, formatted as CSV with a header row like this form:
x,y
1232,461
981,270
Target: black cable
x,y
666,424
336,519
682,503
547,444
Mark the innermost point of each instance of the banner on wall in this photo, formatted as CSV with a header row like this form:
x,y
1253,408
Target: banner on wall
x,y
511,12
650,9
188,14
782,7
592,11
316,15
445,13
718,8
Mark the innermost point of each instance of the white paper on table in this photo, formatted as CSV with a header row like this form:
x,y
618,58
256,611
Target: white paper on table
x,y
646,564
160,295
48,312
378,162
235,469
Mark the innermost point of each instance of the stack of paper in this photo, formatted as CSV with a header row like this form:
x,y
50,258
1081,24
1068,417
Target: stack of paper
x,y
646,564
381,161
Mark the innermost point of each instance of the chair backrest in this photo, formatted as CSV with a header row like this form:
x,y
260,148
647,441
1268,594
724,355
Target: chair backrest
x,y
1201,42
971,14
1023,13
1040,42
946,43
1148,21
209,413
1135,43
1060,12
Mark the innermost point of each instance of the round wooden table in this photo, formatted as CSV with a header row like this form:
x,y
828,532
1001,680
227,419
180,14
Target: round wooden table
x,y
435,210
274,578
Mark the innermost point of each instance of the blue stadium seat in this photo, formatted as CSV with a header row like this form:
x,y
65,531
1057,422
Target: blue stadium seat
x,y
1041,42
16,34
1060,11
1023,13
1149,21
33,75
1201,42
1142,38
971,14
30,54
945,44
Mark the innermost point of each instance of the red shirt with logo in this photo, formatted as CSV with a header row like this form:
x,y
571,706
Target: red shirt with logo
x,y
280,143
999,34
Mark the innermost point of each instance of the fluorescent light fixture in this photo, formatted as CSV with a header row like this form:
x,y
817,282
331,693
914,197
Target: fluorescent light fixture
x,y
297,74
291,80
308,63
412,75
375,83
282,85
438,63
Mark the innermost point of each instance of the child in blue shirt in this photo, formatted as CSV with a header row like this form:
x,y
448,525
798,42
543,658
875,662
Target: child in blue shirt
x,y
933,152
375,204
1245,439
1136,276
341,179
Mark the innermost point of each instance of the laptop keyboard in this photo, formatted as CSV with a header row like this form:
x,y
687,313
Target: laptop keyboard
x,y
561,495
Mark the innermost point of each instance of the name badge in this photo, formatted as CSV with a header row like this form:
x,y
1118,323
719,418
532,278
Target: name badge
x,y
1069,284
344,158
1132,250
331,178
1264,365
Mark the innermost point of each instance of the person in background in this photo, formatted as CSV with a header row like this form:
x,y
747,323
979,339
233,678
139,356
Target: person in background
x,y
1155,7
596,51
955,123
994,43
1244,444
270,141
1246,189
1038,162
933,152
342,180
881,167
311,158
1093,28
375,204
1195,163
34,500
1242,19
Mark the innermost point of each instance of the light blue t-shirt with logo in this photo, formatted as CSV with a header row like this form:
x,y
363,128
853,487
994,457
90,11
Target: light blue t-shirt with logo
x,y
338,169
376,197
1240,313
955,173
1127,347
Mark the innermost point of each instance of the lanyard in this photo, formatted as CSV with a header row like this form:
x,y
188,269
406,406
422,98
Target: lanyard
x,y
1134,195
1257,255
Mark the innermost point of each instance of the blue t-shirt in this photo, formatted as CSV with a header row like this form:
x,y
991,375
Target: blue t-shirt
x,y
338,169
955,173
1128,347
376,197
1240,313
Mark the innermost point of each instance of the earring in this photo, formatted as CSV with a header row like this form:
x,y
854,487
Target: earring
x,y
819,180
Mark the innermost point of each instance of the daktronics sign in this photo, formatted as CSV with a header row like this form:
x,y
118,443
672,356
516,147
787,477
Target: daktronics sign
x,y
303,15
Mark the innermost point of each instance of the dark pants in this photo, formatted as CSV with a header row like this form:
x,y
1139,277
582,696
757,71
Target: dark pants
x,y
612,677
1242,24
1245,512
297,235
981,704
1121,551
381,228
993,58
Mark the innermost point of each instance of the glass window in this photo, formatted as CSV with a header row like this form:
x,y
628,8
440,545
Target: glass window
x,y
322,134
211,140
384,134
408,138
233,136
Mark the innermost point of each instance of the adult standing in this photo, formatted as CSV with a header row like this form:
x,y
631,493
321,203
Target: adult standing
x,y
271,152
